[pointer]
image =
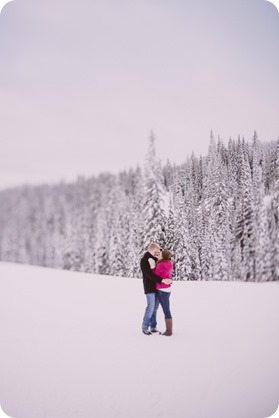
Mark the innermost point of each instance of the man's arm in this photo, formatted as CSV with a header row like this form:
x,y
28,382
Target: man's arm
x,y
146,269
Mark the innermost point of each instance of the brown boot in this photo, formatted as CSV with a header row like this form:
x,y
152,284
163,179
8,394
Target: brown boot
x,y
168,331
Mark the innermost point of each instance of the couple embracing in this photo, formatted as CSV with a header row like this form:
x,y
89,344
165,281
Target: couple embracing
x,y
156,267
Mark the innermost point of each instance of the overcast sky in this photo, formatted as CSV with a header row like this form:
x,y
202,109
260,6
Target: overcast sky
x,y
81,87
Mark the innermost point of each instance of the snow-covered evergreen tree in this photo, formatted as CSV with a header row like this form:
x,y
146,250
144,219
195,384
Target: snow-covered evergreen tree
x,y
153,210
246,223
274,216
183,266
135,244
192,215
170,225
217,213
118,231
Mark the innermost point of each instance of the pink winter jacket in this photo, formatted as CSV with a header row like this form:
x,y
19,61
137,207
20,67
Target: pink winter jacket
x,y
163,270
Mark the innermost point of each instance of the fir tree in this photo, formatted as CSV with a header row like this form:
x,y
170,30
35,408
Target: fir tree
x,y
274,217
245,231
153,210
181,242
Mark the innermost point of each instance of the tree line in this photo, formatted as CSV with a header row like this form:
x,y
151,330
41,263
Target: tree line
x,y
218,214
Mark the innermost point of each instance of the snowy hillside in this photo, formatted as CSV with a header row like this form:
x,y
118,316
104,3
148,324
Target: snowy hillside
x,y
71,347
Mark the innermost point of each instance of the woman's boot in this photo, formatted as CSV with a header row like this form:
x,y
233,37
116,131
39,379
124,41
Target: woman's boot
x,y
168,331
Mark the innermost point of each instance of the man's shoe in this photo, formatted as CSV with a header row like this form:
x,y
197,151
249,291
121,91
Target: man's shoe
x,y
146,332
154,330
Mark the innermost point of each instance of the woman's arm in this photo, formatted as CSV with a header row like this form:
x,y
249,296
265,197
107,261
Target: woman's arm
x,y
163,270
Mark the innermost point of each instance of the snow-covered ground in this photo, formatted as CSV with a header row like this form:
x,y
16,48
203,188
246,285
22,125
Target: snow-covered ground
x,y
71,347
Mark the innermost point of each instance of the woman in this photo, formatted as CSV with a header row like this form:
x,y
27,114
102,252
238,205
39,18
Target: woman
x,y
163,269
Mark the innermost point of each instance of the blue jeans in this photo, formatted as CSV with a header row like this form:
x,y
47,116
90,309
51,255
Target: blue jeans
x,y
149,318
164,299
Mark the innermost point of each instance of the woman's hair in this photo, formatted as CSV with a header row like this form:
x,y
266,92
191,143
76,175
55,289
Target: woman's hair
x,y
166,255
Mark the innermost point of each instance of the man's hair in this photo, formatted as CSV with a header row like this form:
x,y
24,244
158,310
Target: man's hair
x,y
153,246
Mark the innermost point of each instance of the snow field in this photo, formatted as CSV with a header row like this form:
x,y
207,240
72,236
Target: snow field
x,y
71,347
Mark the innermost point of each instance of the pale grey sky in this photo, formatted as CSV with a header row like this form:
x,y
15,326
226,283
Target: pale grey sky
x,y
82,84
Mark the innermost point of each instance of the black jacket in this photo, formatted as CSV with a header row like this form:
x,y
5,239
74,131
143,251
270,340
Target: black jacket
x,y
149,278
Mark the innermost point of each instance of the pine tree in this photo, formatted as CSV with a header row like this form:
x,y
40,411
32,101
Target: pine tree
x,y
181,242
170,228
154,214
263,251
117,254
191,216
274,217
245,228
218,227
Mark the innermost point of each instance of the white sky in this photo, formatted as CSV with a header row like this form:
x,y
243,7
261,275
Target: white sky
x,y
81,88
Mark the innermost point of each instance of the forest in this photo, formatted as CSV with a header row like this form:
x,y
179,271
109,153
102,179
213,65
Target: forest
x,y
218,214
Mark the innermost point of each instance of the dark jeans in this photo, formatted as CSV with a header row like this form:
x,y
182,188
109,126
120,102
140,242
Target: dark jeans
x,y
164,299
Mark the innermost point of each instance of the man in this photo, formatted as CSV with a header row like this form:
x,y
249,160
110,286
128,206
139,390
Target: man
x,y
147,263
